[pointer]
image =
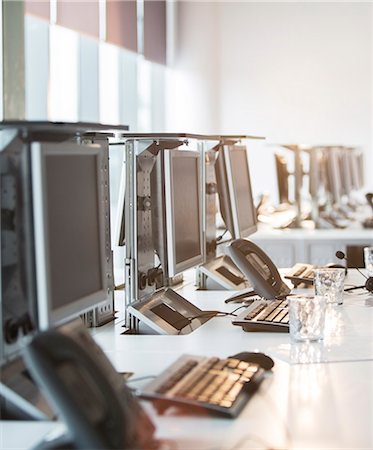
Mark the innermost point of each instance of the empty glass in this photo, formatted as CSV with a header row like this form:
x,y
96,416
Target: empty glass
x,y
306,317
368,259
329,283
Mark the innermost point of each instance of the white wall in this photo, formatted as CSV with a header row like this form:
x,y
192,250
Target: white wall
x,y
192,81
294,72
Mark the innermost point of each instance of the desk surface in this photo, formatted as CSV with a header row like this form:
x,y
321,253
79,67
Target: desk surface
x,y
319,396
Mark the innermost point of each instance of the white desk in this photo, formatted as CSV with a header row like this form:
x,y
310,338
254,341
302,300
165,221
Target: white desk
x,y
326,404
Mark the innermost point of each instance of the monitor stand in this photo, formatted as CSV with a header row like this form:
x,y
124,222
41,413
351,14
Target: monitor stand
x,y
225,273
20,397
167,312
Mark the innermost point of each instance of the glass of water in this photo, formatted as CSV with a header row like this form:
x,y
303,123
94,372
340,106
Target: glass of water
x,y
368,259
306,317
329,283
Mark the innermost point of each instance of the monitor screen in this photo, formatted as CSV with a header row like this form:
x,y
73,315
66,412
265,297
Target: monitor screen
x,y
69,230
183,210
234,190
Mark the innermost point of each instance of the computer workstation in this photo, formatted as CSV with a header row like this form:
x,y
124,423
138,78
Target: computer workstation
x,y
70,260
233,186
164,226
142,355
178,237
323,188
55,221
176,211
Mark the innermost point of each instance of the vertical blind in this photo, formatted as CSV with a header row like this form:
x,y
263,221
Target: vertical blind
x,y
121,22
38,8
81,16
155,31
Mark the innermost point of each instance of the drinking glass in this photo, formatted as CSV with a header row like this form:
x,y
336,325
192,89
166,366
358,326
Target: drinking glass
x,y
329,283
306,317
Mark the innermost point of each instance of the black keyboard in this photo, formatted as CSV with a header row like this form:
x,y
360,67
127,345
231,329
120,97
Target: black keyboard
x,y
219,386
301,273
264,315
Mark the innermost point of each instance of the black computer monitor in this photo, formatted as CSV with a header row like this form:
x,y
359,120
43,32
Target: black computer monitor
x,y
282,178
234,191
69,221
183,208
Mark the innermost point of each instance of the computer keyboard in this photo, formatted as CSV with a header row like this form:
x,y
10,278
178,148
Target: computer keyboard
x,y
301,273
220,386
264,315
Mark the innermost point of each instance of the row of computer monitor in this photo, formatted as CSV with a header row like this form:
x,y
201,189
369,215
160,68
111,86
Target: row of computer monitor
x,y
69,219
184,233
337,171
183,203
69,214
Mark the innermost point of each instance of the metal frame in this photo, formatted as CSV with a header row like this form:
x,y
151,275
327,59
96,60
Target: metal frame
x,y
141,156
141,152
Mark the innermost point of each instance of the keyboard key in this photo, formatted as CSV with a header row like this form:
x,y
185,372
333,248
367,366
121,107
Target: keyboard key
x,y
270,316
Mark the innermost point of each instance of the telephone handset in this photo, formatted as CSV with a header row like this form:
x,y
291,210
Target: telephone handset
x,y
90,396
256,265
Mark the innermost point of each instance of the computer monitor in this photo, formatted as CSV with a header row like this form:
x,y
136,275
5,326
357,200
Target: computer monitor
x,y
282,178
234,191
183,208
346,171
357,169
334,184
69,220
316,171
360,165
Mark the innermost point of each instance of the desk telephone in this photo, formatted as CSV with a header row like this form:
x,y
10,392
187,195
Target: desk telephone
x,y
256,265
90,396
270,312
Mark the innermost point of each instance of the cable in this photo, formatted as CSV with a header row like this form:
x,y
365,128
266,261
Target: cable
x,y
131,380
340,255
361,273
219,238
211,314
240,307
203,314
353,288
